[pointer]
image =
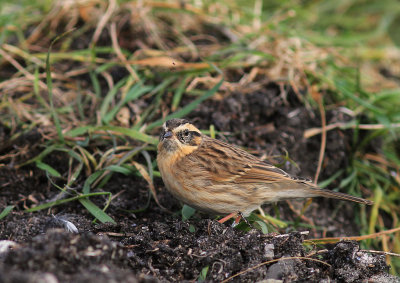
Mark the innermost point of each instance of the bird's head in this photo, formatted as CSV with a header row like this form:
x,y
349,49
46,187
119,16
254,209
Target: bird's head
x,y
179,136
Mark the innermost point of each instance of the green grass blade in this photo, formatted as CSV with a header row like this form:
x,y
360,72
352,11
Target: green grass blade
x,y
187,212
62,201
273,220
119,169
44,153
6,211
96,211
212,131
90,180
343,88
75,174
378,195
46,167
130,133
95,83
176,99
328,181
79,131
348,179
203,274
263,227
135,92
188,108
79,103
49,82
36,89
135,134
149,163
158,92
110,96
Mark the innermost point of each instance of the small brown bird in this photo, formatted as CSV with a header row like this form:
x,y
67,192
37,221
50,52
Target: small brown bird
x,y
219,178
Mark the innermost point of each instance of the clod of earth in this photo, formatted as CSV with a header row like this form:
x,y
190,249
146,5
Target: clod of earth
x,y
168,251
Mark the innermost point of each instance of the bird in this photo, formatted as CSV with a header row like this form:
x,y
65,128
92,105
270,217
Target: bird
x,y
221,179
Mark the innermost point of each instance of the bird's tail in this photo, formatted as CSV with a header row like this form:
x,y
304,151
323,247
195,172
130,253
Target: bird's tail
x,y
338,195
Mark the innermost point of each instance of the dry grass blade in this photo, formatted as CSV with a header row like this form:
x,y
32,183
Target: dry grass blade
x,y
169,62
18,66
275,260
352,238
121,56
316,131
142,170
318,98
103,21
381,253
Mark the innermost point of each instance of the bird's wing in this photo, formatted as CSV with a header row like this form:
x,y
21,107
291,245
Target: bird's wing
x,y
227,163
262,172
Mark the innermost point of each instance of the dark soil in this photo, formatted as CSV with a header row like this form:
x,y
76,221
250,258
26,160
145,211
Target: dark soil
x,y
154,245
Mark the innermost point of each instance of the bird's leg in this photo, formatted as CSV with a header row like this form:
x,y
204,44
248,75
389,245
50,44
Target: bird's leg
x,y
237,220
229,216
240,216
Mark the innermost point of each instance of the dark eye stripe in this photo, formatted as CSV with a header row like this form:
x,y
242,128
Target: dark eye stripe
x,y
195,133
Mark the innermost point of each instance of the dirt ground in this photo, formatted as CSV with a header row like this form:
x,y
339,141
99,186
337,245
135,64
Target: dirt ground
x,y
153,245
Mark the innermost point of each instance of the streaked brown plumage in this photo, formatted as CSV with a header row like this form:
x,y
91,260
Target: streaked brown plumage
x,y
219,178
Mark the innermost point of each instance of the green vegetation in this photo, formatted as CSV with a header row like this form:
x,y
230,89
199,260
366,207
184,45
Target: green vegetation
x,y
81,92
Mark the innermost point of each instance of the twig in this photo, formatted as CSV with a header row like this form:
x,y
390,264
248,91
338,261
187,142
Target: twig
x,y
318,97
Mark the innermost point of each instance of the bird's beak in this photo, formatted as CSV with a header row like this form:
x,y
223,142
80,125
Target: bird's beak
x,y
167,135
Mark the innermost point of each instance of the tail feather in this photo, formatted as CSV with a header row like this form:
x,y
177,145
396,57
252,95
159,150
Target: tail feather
x,y
338,195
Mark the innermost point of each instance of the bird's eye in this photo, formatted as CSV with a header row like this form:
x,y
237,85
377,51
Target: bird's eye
x,y
184,136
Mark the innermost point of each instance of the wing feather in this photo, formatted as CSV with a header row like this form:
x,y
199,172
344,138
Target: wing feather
x,y
232,164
